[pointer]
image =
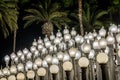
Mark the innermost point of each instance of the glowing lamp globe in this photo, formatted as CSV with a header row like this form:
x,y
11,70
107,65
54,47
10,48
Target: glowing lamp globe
x,y
47,44
29,64
6,71
30,74
57,40
20,67
96,44
20,76
55,60
102,43
73,32
54,69
113,28
25,51
60,56
6,58
110,39
102,32
34,42
72,51
41,71
13,55
78,55
3,79
67,37
66,57
118,38
12,77
44,63
67,66
77,38
38,62
83,62
102,58
13,69
48,58
86,48
119,52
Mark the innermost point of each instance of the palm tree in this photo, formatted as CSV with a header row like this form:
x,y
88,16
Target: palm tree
x,y
80,16
13,16
92,17
48,14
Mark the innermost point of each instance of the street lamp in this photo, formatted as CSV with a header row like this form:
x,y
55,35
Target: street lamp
x,y
102,59
54,69
83,63
67,66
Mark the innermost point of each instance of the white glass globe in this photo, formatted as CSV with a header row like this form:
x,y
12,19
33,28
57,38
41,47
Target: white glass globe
x,y
20,76
6,58
44,63
67,66
13,69
36,53
40,47
20,67
38,62
34,42
33,49
29,64
46,38
90,36
77,38
57,40
41,71
66,57
65,31
102,58
6,71
19,53
12,77
102,32
119,52
86,48
102,43
110,39
40,41
67,37
35,66
72,51
48,58
91,54
59,34
22,58
73,32
60,55
30,74
96,44
3,78
83,62
55,60
78,55
25,51
54,69
13,55
118,38
113,28
52,36
47,44
94,33
29,55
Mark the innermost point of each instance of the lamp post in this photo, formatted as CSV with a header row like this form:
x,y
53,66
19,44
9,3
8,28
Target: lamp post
x,y
83,63
102,59
41,72
54,69
67,66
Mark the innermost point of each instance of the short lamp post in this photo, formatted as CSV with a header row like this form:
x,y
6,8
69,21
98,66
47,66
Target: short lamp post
x,y
83,63
54,69
102,59
41,72
67,66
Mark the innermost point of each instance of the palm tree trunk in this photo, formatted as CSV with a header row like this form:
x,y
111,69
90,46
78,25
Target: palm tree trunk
x,y
80,16
14,41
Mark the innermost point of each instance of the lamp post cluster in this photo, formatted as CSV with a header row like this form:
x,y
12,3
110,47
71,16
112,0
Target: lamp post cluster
x,y
67,56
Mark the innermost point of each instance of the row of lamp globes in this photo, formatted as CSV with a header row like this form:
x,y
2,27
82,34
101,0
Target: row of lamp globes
x,y
61,47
